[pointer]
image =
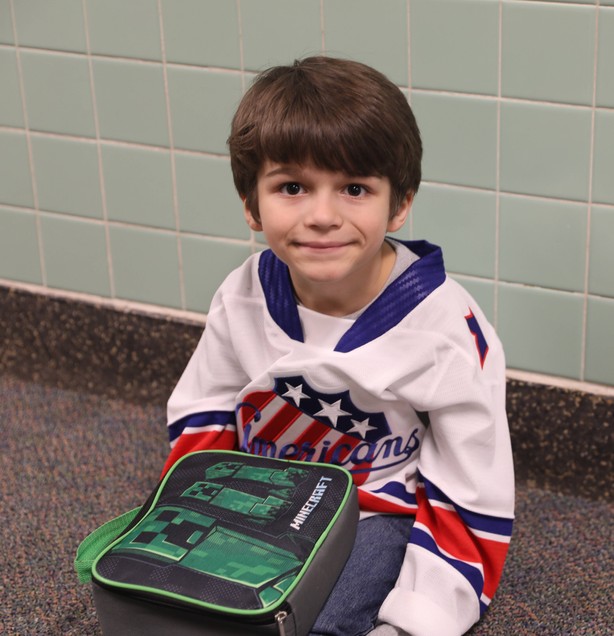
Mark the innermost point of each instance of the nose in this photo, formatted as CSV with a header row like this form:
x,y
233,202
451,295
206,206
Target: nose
x,y
323,212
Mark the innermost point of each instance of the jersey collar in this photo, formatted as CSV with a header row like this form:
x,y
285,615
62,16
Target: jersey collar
x,y
401,297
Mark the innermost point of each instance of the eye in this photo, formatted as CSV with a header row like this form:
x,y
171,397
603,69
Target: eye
x,y
291,188
355,190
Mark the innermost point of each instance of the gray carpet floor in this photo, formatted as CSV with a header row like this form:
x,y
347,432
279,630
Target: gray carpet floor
x,y
70,461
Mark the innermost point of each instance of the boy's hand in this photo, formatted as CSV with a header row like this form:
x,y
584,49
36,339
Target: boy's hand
x,y
383,629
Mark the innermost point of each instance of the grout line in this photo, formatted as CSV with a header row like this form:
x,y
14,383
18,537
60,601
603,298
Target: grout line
x,y
498,171
509,99
123,58
171,144
119,143
519,285
322,28
115,142
97,141
241,45
408,31
410,228
562,4
252,234
508,193
591,162
28,136
126,225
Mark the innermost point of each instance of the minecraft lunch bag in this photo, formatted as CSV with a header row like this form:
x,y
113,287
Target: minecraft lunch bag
x,y
227,543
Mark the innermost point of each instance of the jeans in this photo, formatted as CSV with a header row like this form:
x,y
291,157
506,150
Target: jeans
x,y
367,578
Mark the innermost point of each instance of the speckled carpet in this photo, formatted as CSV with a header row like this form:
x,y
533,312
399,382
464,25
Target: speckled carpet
x,y
72,460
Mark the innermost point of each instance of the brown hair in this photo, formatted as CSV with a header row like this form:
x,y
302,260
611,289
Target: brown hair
x,y
337,114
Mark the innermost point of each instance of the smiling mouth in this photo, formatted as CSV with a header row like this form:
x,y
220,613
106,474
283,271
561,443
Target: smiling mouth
x,y
319,246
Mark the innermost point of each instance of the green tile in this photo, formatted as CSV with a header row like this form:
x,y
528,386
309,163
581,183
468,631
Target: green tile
x,y
608,2
50,25
599,365
67,176
545,150
603,168
202,32
19,255
131,101
11,107
145,266
601,264
462,222
548,52
126,29
459,135
455,45
541,330
202,106
216,258
75,254
270,36
138,186
605,58
6,24
483,291
543,242
58,95
208,201
16,182
351,32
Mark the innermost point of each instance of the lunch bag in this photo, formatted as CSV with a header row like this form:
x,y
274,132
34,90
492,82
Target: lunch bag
x,y
227,543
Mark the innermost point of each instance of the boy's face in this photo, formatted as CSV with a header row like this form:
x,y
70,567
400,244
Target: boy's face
x,y
329,229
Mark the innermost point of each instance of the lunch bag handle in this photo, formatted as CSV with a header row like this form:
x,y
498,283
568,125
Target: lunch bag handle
x,y
97,541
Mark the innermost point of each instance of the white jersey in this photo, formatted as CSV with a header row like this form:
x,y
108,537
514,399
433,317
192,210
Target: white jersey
x,y
409,397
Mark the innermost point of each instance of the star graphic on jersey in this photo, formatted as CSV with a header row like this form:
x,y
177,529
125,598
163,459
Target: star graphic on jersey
x,y
295,392
331,411
361,427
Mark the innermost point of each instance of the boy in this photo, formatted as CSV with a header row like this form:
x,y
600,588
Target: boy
x,y
342,345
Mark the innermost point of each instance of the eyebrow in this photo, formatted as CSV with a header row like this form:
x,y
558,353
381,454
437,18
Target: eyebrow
x,y
291,171
285,170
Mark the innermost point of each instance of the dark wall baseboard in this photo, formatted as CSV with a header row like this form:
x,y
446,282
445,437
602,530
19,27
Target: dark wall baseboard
x,y
93,348
562,439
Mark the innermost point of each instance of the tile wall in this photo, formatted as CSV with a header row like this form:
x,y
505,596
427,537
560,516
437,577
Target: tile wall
x,y
115,180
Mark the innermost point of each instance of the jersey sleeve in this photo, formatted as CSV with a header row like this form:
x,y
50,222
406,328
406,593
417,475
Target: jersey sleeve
x,y
201,409
465,500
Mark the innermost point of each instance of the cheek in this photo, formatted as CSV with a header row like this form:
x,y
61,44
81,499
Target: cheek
x,y
274,232
375,227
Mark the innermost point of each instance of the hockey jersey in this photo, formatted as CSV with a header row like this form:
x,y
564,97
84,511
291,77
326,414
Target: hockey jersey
x,y
409,397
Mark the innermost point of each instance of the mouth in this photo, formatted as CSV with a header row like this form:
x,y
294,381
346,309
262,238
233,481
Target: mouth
x,y
321,246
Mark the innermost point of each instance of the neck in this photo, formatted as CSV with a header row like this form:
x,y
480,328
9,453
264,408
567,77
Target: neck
x,y
341,298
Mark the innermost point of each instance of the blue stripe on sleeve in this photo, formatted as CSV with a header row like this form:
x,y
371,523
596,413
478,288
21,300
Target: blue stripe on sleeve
x,y
200,419
472,574
397,490
475,520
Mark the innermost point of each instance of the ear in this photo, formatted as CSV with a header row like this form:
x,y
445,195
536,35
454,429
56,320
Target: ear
x,y
398,219
254,224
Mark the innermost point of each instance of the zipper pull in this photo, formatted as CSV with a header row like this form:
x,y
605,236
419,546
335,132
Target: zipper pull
x,y
280,617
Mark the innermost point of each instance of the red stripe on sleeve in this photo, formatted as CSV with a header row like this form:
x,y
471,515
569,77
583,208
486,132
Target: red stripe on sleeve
x,y
208,440
455,538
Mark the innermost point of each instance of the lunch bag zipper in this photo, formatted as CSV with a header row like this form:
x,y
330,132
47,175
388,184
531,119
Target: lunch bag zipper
x,y
280,617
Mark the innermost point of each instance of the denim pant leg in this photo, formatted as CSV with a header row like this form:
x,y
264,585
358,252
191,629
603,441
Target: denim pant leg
x,y
367,578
